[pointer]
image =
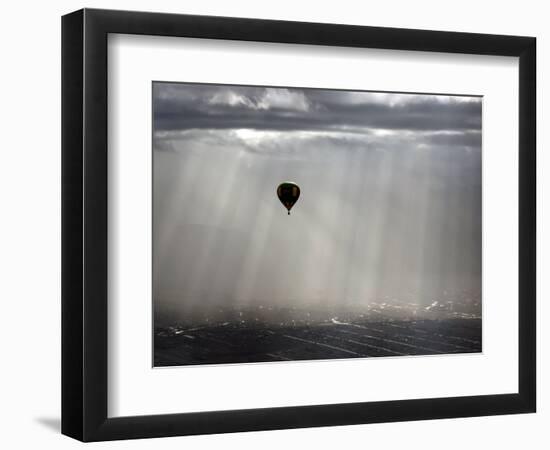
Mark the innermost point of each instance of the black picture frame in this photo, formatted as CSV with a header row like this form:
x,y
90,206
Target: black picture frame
x,y
84,224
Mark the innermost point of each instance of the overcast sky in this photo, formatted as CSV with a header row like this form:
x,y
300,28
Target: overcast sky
x,y
390,195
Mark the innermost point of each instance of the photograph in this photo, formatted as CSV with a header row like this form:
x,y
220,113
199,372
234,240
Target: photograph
x,y
294,224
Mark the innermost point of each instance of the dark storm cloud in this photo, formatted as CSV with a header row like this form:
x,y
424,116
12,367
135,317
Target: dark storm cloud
x,y
185,107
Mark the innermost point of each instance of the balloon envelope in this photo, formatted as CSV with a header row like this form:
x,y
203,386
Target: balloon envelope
x,y
288,193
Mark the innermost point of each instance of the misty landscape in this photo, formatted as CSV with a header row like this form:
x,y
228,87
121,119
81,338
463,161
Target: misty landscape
x,y
381,255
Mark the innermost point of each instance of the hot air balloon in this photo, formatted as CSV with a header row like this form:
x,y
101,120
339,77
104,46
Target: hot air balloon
x,y
288,193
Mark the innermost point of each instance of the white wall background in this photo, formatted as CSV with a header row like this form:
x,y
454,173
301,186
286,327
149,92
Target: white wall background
x,y
30,226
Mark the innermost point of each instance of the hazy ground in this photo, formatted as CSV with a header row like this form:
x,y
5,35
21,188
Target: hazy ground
x,y
260,334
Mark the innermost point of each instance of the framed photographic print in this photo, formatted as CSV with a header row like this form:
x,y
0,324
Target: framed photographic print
x,y
273,224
